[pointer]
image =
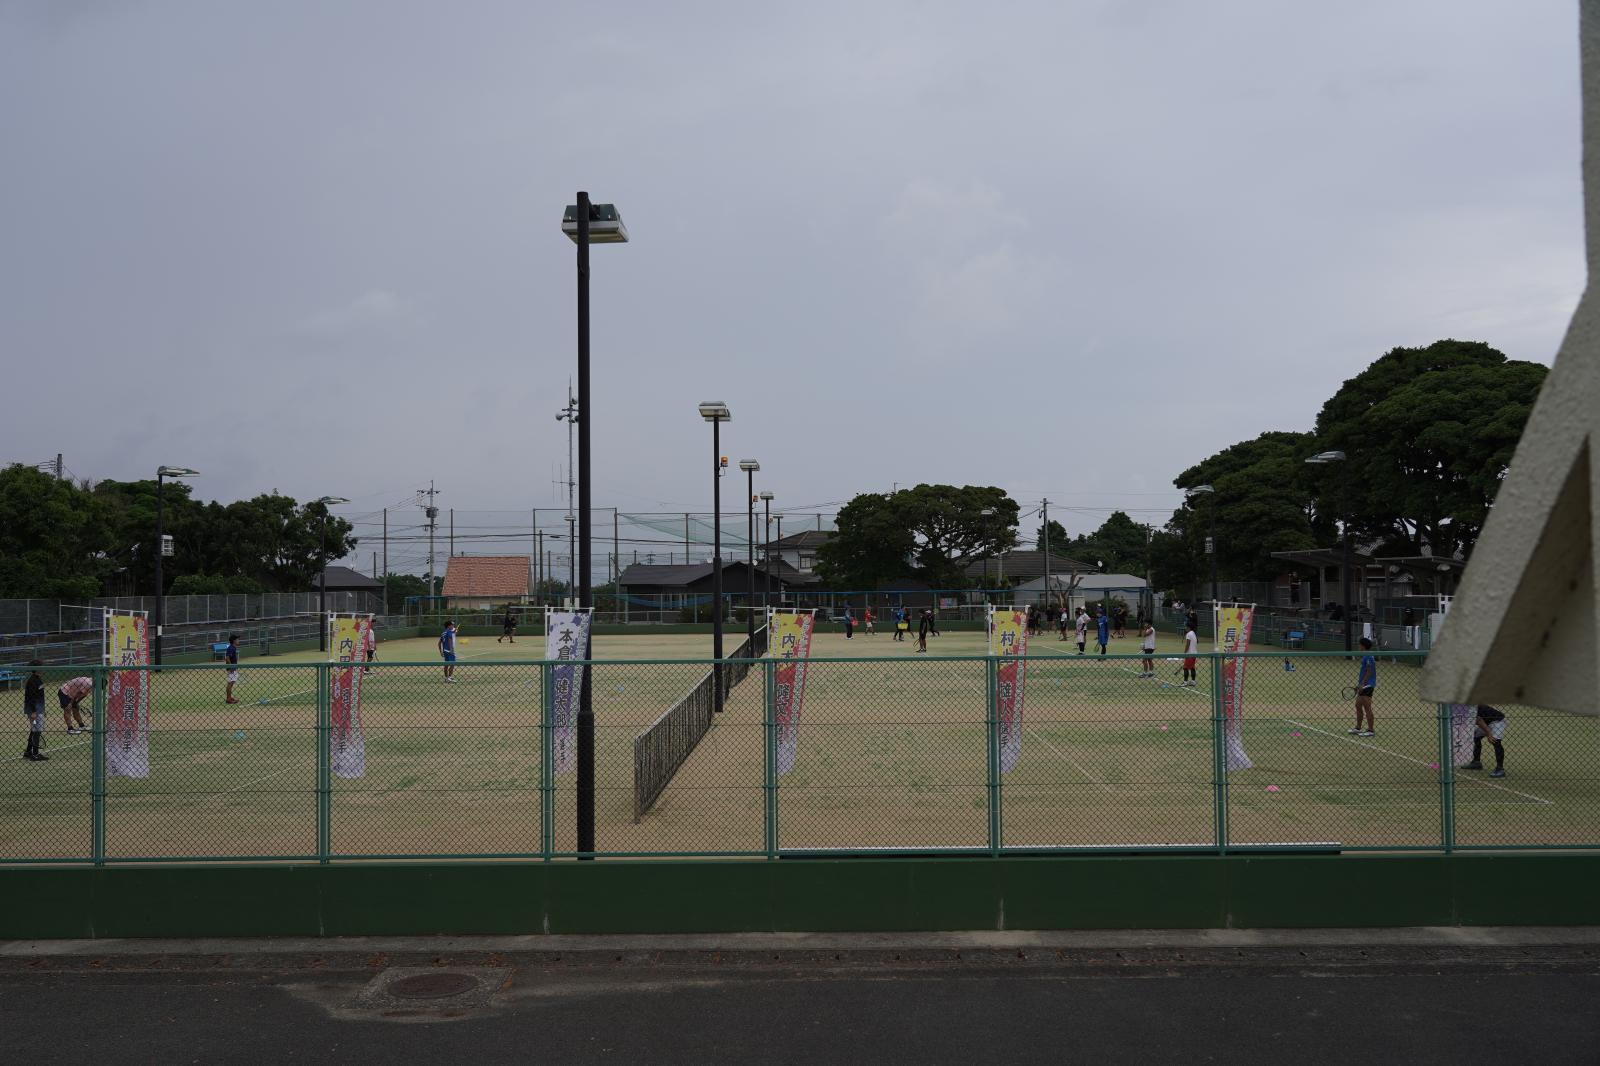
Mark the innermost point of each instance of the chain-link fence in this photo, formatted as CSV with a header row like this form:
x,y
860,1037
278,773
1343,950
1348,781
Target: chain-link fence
x,y
893,754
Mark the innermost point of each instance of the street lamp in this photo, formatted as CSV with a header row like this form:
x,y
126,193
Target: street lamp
x,y
766,554
1323,459
162,473
750,466
322,579
986,512
716,412
586,223
1211,539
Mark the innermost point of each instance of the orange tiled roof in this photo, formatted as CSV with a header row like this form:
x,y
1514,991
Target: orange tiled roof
x,y
487,575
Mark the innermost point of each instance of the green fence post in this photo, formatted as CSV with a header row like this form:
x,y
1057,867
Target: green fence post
x,y
992,721
1447,780
324,765
1219,754
769,716
547,743
97,772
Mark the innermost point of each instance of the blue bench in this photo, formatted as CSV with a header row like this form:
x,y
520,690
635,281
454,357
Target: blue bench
x,y
219,650
9,678
1295,638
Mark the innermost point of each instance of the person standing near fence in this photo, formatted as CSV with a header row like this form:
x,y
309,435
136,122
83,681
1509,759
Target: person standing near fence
x,y
1083,629
369,645
1491,723
70,696
447,650
924,627
1147,634
33,707
1102,628
508,628
231,657
849,623
1366,686
866,620
1191,648
1062,623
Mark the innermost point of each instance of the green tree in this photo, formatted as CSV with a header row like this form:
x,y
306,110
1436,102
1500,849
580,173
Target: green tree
x,y
397,587
198,585
1058,536
934,531
1118,545
1428,434
52,537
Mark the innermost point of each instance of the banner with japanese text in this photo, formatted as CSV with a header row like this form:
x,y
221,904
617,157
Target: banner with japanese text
x,y
566,638
1233,633
127,696
790,643
1008,641
347,742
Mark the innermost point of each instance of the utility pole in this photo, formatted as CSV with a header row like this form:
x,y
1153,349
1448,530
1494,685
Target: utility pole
x,y
1045,507
570,415
430,512
385,578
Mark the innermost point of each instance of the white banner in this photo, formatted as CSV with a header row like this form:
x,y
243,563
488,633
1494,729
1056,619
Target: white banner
x,y
566,637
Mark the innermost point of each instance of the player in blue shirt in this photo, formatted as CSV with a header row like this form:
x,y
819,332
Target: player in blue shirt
x,y
1366,685
1102,628
447,650
231,657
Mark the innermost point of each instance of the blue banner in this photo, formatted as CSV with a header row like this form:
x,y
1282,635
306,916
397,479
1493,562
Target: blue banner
x,y
566,637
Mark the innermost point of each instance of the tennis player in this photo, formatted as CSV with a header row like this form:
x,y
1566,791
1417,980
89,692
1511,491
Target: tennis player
x,y
1366,686
231,657
70,696
447,650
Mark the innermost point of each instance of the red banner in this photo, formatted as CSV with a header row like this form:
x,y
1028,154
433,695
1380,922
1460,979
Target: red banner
x,y
1234,626
348,743
128,697
790,639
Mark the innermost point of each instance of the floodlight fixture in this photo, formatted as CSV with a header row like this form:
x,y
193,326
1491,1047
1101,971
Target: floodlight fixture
x,y
749,465
715,411
176,471
605,224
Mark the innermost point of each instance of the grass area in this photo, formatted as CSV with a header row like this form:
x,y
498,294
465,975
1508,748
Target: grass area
x,y
892,754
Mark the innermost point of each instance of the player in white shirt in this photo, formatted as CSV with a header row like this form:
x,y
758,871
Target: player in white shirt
x,y
1148,645
1083,629
1191,645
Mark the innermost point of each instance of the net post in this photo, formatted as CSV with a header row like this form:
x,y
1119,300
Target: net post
x,y
1447,780
1219,754
547,744
769,715
992,716
97,773
324,759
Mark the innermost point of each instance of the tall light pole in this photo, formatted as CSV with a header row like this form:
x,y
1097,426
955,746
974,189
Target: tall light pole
x,y
322,578
569,415
162,473
587,224
1045,508
1322,459
750,466
766,553
1211,540
716,412
986,512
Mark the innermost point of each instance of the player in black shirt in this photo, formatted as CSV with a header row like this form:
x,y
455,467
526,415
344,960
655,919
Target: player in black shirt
x,y
33,707
1492,724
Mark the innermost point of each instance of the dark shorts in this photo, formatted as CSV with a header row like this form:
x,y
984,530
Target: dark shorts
x,y
66,700
449,656
1367,692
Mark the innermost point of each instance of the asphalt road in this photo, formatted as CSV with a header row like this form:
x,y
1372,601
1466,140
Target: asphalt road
x,y
1277,1003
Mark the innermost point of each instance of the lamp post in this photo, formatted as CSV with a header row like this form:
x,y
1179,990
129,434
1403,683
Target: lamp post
x,y
322,578
750,466
716,412
162,473
1211,539
586,223
569,415
986,512
766,554
1323,459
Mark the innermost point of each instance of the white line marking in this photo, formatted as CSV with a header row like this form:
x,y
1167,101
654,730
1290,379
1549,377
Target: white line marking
x,y
257,781
1374,747
1073,763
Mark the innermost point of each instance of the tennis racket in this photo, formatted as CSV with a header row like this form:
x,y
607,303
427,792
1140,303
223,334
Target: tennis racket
x,y
1348,692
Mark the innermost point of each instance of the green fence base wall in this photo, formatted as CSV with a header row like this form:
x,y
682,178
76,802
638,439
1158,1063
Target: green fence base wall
x,y
800,895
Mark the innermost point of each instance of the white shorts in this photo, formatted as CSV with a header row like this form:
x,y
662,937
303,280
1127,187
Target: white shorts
x,y
233,676
1496,730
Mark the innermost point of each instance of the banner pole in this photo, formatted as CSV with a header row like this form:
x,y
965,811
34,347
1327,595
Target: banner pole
x,y
1447,780
990,668
1219,755
324,785
547,688
770,714
97,776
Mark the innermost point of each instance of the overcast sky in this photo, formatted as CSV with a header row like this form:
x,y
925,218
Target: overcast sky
x,y
1068,248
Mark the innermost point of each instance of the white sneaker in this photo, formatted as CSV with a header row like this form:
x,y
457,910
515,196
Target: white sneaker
x,y
1356,732
72,731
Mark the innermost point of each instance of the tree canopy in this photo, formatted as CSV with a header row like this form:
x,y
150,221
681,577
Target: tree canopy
x,y
932,531
63,540
1118,545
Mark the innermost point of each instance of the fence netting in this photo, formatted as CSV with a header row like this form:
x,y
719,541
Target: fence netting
x,y
892,754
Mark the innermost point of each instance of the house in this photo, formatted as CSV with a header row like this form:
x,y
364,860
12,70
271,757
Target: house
x,y
799,550
345,579
682,584
1009,568
487,580
1081,588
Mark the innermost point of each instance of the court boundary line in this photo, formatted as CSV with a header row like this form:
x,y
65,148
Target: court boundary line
x,y
1074,764
1375,747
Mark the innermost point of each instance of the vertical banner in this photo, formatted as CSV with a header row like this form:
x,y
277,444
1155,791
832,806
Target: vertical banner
x,y
566,639
1463,725
1008,641
1233,632
128,697
791,645
347,743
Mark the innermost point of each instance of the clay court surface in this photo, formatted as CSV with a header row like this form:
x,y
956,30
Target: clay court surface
x,y
892,753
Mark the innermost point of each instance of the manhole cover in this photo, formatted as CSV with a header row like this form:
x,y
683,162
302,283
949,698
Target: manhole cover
x,y
432,985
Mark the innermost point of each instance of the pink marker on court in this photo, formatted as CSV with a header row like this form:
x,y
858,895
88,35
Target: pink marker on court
x,y
1297,734
1272,788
